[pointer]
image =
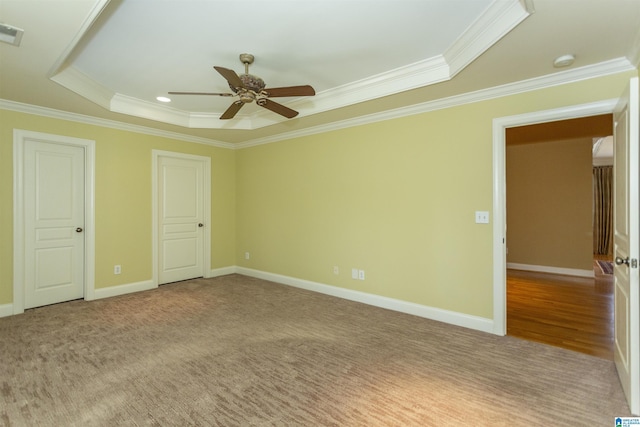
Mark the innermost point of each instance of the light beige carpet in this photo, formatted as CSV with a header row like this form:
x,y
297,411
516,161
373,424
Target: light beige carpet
x,y
238,351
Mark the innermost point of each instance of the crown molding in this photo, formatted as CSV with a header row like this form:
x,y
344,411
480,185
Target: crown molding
x,y
130,106
487,30
92,16
112,124
495,22
84,86
615,66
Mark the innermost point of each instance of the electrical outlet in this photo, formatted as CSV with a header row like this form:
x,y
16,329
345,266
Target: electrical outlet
x,y
247,255
336,270
482,217
117,269
360,274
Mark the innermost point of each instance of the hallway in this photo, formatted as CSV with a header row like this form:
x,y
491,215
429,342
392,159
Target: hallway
x,y
575,313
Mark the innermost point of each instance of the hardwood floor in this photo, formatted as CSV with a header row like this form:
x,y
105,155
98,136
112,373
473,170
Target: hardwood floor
x,y
570,312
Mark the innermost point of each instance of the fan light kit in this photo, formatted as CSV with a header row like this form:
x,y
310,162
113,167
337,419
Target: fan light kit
x,y
249,88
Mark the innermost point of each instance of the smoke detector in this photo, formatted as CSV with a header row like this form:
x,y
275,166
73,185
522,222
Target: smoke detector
x,y
564,61
10,34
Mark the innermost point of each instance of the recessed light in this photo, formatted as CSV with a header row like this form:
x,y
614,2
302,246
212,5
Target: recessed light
x,y
10,34
564,61
163,99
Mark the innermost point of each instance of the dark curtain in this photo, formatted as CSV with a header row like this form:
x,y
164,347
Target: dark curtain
x,y
602,210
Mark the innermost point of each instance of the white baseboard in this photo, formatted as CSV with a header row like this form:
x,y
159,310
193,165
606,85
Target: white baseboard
x,y
224,271
127,288
433,313
446,316
6,310
553,270
146,285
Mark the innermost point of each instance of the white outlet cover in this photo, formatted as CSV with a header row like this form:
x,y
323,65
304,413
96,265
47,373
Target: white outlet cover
x,y
482,217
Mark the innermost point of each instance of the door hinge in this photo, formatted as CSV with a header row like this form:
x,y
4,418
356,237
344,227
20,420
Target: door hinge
x,y
634,263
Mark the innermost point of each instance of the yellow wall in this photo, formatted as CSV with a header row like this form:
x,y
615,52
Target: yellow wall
x,y
394,198
550,204
122,197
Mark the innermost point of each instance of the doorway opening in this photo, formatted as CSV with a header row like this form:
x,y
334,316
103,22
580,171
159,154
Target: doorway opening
x,y
555,293
500,127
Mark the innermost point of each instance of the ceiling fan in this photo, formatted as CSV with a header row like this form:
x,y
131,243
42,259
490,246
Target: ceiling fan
x,y
251,88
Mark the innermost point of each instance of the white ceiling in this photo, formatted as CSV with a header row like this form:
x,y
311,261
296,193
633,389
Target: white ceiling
x,y
110,59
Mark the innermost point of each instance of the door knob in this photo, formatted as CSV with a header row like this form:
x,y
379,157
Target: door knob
x,y
79,230
620,261
200,224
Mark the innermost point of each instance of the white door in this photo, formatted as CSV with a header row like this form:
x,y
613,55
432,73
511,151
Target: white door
x,y
181,218
54,207
626,239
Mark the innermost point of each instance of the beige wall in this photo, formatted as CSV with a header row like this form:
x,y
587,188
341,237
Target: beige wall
x,y
394,198
122,197
549,204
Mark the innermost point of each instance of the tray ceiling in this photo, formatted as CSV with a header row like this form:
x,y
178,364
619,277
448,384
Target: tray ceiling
x,y
111,59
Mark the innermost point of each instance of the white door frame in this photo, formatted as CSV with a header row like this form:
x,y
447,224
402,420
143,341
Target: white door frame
x,y
155,239
499,191
19,138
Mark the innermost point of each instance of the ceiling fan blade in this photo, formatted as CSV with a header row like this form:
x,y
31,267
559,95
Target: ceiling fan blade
x,y
278,108
305,90
230,75
232,110
200,93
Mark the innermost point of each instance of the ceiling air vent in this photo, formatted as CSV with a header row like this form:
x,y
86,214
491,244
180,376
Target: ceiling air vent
x,y
11,35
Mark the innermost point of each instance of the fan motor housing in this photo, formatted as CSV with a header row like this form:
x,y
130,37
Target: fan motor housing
x,y
252,82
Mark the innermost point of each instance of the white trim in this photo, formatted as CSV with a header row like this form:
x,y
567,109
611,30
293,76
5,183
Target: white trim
x,y
223,271
6,310
127,288
492,24
206,253
489,28
93,15
615,66
84,86
499,190
19,137
553,270
433,313
111,124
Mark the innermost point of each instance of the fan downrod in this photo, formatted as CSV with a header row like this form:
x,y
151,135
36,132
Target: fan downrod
x,y
246,59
